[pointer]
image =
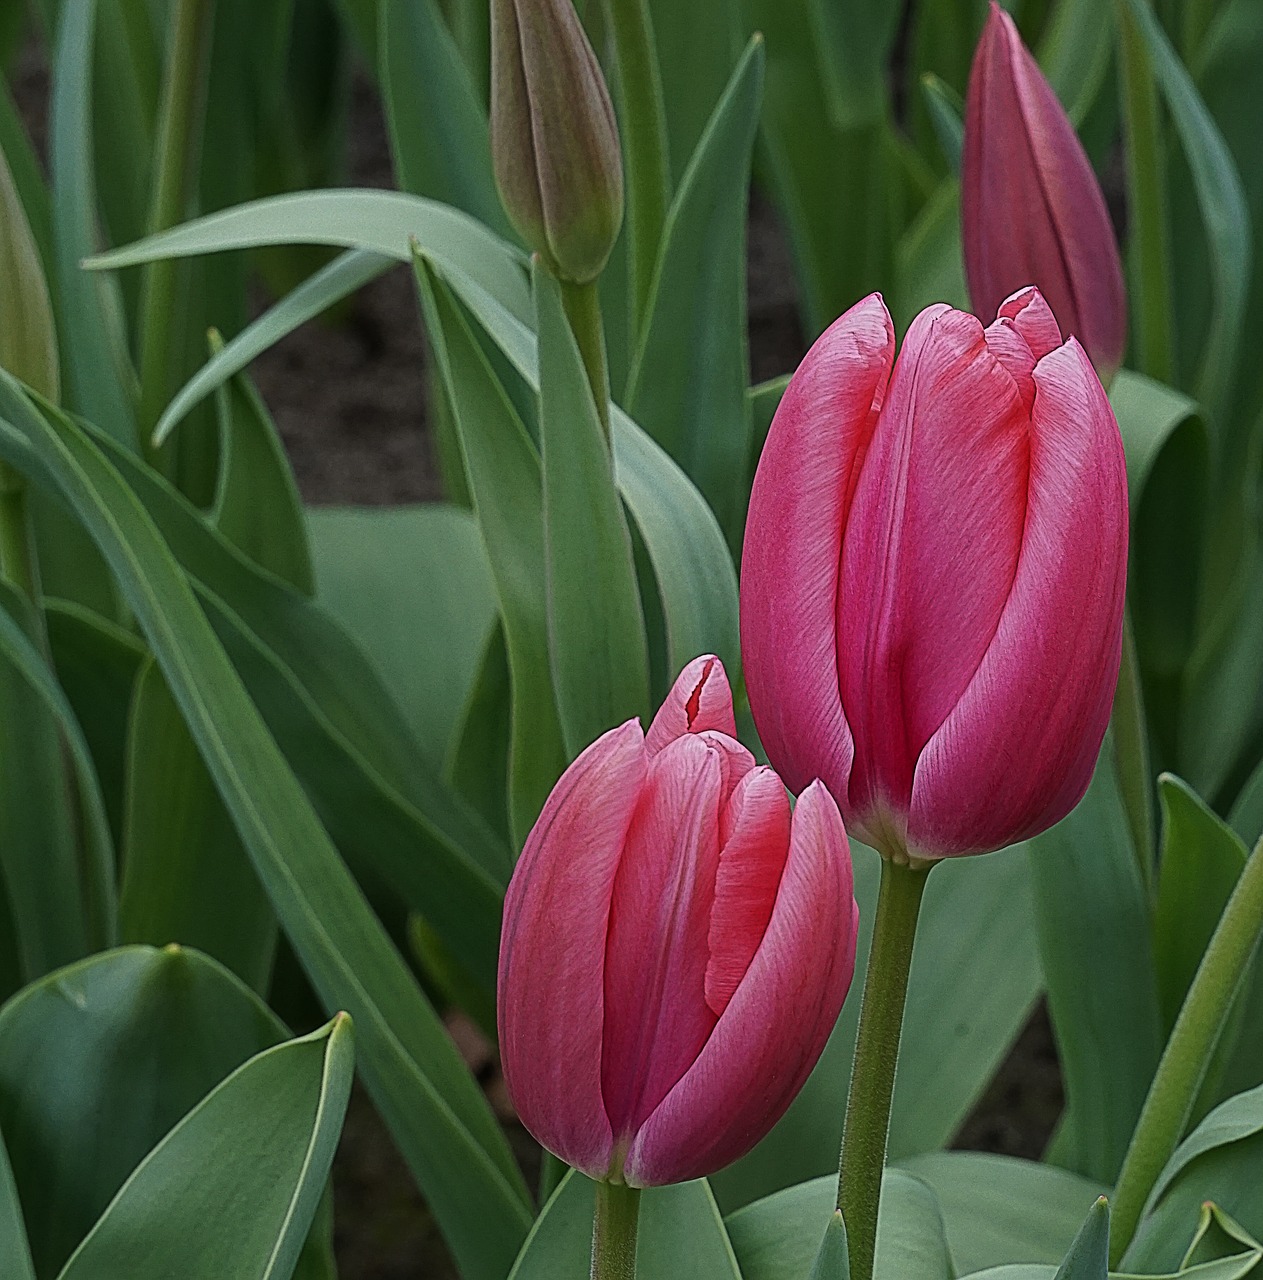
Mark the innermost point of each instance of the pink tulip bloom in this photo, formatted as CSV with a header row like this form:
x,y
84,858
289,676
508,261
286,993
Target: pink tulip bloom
x,y
676,946
1032,211
933,576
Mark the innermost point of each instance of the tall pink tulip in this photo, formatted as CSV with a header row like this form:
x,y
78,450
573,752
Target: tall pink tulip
x,y
1032,211
676,946
933,576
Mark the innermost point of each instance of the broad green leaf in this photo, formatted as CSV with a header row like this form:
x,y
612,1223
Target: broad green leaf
x,y
1000,1210
96,663
779,1238
385,222
1200,864
1225,215
833,1262
1095,938
438,127
28,175
98,1061
503,470
596,627
478,762
96,371
186,878
680,1233
690,372
257,507
1246,818
15,1252
339,728
233,1188
942,41
1088,1257
930,265
697,46
975,975
855,42
39,859
696,578
947,109
765,399
1221,1161
412,585
1074,53
438,1115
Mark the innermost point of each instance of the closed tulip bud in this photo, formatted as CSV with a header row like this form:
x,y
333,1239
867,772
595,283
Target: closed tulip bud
x,y
554,139
933,576
676,947
1032,212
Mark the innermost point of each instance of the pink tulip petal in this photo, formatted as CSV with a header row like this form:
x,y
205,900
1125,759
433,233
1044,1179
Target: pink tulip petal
x,y
776,1025
656,1016
789,570
700,699
735,761
754,839
1033,318
929,553
1011,350
1032,211
552,954
1018,750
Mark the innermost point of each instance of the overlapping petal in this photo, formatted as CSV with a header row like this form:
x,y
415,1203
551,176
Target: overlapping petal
x,y
789,575
552,953
1017,751
775,1026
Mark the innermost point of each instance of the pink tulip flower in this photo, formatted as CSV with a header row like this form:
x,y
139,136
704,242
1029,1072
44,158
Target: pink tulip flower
x,y
676,946
1032,211
933,575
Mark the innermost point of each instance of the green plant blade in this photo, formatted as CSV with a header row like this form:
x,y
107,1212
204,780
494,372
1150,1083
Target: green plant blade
x,y
833,1262
1094,931
596,626
15,1251
98,1061
412,585
680,1233
855,42
186,878
1088,1258
233,1188
436,1112
690,372
779,1238
503,471
1001,1210
438,128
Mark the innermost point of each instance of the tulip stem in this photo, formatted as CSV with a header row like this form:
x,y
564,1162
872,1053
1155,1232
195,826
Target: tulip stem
x,y
614,1226
582,303
876,1056
1182,1068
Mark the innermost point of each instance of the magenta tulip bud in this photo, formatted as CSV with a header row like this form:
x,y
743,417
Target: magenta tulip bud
x,y
676,947
933,576
1032,211
554,138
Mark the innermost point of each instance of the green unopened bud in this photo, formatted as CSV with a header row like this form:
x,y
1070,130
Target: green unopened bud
x,y
28,339
554,138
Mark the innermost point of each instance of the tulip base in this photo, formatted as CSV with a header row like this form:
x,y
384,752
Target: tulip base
x,y
614,1226
876,1056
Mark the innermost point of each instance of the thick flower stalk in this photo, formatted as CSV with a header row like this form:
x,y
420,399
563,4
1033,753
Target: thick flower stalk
x,y
933,576
931,618
676,949
1032,211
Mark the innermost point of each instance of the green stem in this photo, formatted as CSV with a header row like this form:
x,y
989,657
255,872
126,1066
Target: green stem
x,y
18,560
1131,755
614,1231
644,123
582,303
876,1056
1188,1052
1146,202
176,163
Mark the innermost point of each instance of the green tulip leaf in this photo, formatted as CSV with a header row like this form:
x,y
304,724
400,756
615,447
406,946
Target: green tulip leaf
x,y
15,1252
233,1188
1088,1257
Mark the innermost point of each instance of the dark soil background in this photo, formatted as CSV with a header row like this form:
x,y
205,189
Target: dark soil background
x,y
349,399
